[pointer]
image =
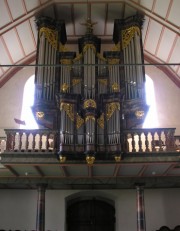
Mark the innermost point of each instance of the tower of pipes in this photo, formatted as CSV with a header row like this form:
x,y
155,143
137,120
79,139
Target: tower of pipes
x,y
90,98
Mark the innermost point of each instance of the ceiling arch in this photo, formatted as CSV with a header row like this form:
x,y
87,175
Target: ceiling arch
x,y
160,33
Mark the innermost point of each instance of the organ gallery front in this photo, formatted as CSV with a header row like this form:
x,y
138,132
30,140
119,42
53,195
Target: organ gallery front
x,y
90,97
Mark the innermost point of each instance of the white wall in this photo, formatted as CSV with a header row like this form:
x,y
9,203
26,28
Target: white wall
x,y
18,208
167,96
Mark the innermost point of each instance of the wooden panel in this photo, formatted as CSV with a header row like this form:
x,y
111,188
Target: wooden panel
x,y
153,37
98,14
13,45
175,57
51,170
147,4
17,9
33,26
80,15
106,170
77,170
5,18
129,11
115,11
31,4
161,7
130,170
166,42
174,15
156,169
64,12
4,58
25,35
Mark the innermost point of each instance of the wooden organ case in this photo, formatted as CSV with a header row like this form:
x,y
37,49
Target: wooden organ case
x,y
88,97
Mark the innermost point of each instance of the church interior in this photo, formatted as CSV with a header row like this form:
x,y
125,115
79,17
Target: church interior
x,y
89,129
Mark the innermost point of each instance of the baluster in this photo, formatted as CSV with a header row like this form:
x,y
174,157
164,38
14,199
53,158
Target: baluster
x,y
153,142
47,142
33,141
140,143
40,141
27,141
146,142
133,143
160,141
20,141
170,141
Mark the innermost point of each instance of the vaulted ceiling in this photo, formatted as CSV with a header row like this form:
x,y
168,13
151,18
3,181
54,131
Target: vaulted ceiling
x,y
18,34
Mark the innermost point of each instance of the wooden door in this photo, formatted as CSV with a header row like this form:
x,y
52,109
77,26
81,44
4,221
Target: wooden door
x,y
90,215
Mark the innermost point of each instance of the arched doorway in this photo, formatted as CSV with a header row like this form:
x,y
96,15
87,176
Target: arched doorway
x,y
90,215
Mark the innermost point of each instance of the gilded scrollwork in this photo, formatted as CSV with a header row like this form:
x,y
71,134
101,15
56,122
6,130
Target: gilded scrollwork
x,y
139,114
68,108
100,121
115,87
90,103
64,87
111,108
128,34
51,35
76,81
79,121
40,115
103,81
89,117
89,46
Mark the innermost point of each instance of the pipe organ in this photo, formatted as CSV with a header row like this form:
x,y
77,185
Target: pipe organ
x,y
89,97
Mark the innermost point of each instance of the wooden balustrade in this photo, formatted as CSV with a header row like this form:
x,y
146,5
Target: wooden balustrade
x,y
149,140
134,140
40,140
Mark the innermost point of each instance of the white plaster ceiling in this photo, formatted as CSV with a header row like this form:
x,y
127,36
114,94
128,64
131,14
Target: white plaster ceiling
x,y
18,35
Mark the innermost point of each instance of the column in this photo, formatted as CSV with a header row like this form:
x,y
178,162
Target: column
x,y
141,221
40,218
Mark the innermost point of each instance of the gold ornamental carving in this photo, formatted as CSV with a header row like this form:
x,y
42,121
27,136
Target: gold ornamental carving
x,y
128,34
100,121
89,46
90,160
111,108
40,115
103,81
68,108
90,117
64,87
115,87
50,35
79,121
139,114
76,81
90,103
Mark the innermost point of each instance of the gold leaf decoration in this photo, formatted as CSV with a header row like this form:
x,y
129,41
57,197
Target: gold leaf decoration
x,y
90,103
139,114
90,117
64,87
79,121
89,46
128,34
115,87
75,81
103,81
68,108
100,121
40,115
50,35
111,108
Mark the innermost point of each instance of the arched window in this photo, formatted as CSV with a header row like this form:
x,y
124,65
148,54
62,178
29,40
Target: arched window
x,y
151,120
28,101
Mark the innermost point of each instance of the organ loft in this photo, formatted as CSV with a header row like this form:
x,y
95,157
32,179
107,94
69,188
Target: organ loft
x,y
90,98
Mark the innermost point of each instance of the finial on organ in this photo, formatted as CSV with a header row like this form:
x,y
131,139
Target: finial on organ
x,y
89,26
